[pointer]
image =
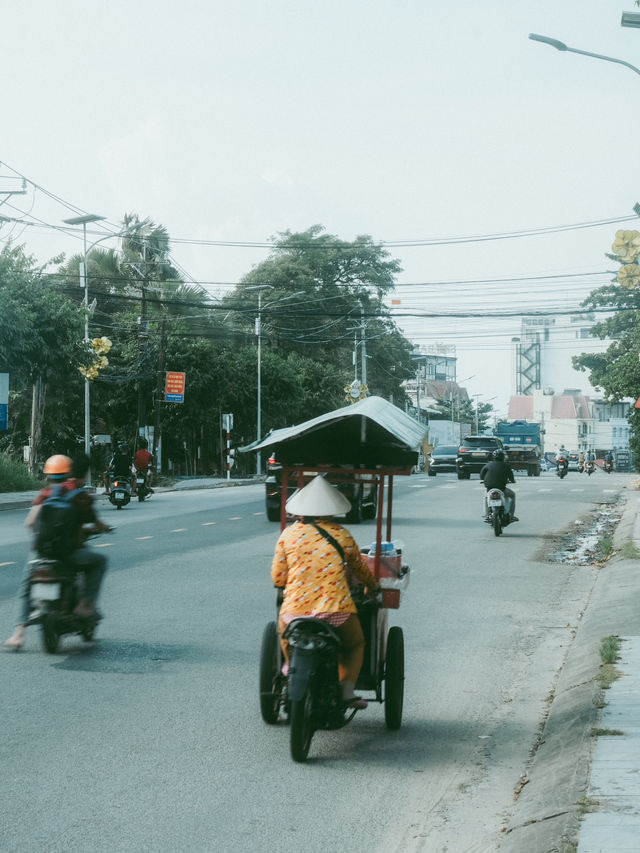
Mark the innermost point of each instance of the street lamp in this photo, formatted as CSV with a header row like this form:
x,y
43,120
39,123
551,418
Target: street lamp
x,y
560,45
84,220
258,332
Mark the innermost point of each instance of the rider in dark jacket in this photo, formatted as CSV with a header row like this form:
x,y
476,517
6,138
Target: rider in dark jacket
x,y
496,475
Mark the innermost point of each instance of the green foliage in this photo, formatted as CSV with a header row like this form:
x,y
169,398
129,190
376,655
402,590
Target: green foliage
x,y
15,476
318,297
617,370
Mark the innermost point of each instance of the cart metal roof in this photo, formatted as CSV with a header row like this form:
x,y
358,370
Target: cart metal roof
x,y
371,433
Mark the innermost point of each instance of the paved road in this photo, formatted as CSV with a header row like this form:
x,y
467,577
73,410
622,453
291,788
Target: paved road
x,y
151,739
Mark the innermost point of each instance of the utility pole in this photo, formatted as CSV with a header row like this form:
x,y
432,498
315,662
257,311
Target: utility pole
x,y
159,397
363,369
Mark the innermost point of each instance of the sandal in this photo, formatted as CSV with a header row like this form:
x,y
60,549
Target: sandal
x,y
357,703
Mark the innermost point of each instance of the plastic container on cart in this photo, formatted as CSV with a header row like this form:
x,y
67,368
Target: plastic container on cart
x,y
390,559
392,575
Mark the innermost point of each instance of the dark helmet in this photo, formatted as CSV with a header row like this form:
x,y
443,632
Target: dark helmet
x,y
498,455
122,447
143,443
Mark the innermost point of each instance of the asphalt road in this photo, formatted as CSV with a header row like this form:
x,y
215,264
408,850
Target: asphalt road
x,y
151,739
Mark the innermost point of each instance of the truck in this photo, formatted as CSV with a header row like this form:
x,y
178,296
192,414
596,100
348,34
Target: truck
x,y
521,441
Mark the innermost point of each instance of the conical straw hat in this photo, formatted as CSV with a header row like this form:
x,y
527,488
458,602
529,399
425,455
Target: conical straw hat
x,y
318,498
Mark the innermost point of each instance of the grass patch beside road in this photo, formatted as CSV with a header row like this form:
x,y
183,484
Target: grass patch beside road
x,y
15,476
609,654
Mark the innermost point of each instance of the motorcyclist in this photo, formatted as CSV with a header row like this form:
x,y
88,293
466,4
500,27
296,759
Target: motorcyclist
x,y
313,574
495,475
581,461
142,462
119,466
562,459
608,460
59,469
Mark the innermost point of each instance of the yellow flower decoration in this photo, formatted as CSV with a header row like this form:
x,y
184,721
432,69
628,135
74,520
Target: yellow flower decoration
x,y
629,276
627,245
99,347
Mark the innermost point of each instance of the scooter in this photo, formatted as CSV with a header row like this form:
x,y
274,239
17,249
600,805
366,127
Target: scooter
x,y
563,467
497,515
142,487
608,466
120,492
54,591
589,467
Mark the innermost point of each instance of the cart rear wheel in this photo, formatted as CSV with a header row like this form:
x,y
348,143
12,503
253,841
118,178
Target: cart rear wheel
x,y
301,728
394,678
269,698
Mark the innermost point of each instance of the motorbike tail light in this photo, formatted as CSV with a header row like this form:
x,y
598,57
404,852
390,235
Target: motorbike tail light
x,y
494,495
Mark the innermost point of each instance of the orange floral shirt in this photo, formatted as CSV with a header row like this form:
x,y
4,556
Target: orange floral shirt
x,y
311,570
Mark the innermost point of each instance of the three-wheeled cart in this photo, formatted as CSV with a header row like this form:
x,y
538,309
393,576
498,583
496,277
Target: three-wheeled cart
x,y
371,440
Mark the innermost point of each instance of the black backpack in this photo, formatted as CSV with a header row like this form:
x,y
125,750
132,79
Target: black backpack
x,y
56,526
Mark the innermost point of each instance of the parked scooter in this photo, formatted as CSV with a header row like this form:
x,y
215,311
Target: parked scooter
x,y
562,467
54,592
120,492
497,515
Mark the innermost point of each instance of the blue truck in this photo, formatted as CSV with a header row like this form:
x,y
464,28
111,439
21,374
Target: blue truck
x,y
521,441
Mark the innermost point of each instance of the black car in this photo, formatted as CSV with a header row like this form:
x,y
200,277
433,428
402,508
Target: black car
x,y
474,453
362,494
443,458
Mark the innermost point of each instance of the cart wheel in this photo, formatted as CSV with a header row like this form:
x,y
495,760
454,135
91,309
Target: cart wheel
x,y
301,728
269,697
394,678
50,634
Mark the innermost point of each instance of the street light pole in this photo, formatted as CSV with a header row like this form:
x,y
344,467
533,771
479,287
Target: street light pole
x,y
83,220
258,332
560,45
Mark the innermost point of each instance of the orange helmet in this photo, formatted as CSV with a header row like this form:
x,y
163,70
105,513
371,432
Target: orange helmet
x,y
57,466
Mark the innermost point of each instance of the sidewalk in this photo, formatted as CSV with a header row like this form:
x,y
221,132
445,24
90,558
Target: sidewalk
x,y
23,500
581,792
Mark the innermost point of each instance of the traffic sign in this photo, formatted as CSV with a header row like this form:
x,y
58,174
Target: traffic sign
x,y
174,387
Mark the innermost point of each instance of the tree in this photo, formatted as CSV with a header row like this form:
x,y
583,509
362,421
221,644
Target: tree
x,y
617,370
321,298
40,346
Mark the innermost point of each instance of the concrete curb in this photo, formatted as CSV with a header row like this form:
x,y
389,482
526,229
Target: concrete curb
x,y
550,805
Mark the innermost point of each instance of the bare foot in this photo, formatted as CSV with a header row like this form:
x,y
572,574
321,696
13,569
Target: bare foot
x,y
16,640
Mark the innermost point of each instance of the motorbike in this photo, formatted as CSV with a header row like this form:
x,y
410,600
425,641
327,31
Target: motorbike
x,y
608,465
562,467
120,492
589,467
54,591
497,515
309,693
142,485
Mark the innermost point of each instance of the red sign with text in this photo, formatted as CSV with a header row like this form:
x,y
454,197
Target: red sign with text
x,y
174,387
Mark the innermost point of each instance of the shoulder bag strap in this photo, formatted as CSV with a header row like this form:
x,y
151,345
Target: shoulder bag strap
x,y
331,541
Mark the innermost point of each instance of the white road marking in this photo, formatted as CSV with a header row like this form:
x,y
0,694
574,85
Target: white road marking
x,y
207,523
104,545
8,564
178,530
576,490
544,490
144,537
235,518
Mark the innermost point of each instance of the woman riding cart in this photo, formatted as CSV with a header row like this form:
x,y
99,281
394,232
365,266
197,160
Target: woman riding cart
x,y
333,634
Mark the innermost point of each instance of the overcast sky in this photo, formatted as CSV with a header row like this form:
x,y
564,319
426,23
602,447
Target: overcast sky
x,y
411,120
